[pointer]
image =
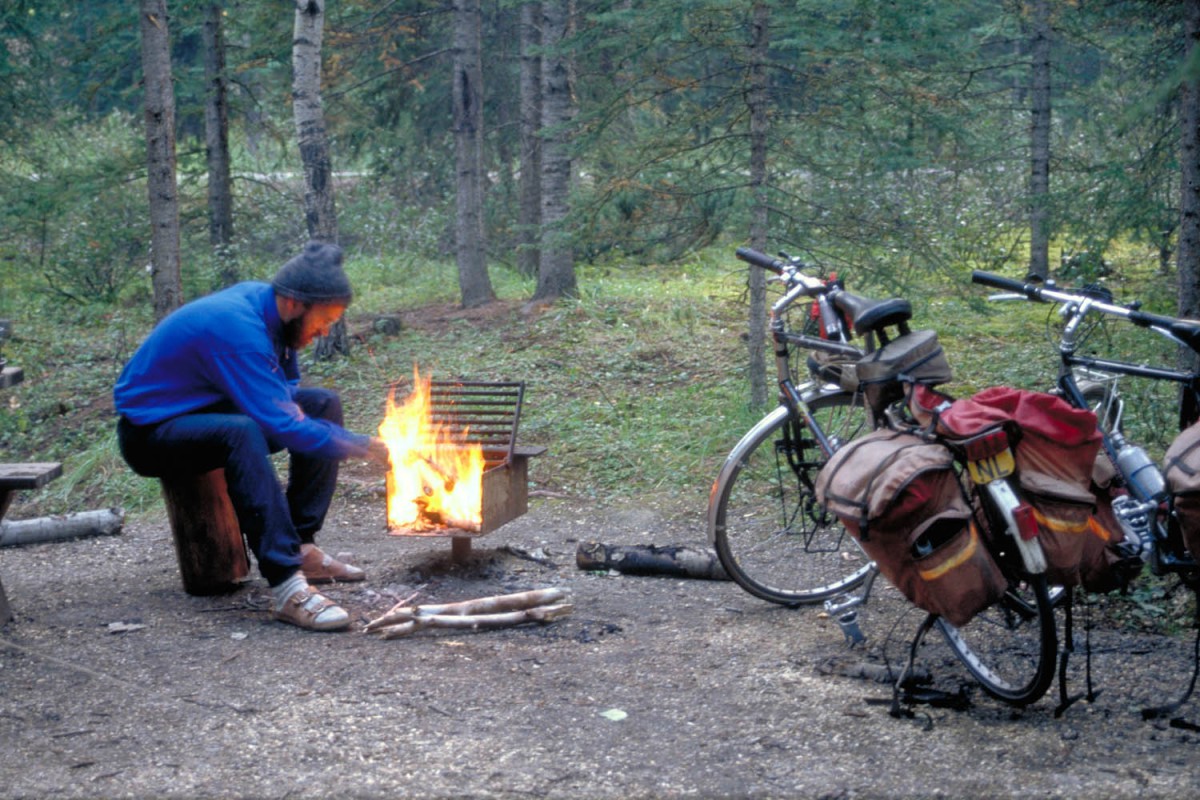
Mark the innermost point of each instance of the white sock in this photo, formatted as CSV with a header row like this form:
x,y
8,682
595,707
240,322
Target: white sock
x,y
289,587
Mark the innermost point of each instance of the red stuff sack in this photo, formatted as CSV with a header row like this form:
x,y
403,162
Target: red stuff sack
x,y
1056,439
899,496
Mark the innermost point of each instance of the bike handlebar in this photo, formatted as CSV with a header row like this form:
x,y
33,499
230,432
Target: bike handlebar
x,y
752,256
1001,282
1185,330
791,272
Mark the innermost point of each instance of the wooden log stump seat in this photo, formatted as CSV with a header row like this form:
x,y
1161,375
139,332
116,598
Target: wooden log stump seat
x,y
208,539
14,477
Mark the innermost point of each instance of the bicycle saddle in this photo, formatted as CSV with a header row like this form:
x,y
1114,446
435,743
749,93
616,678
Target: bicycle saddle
x,y
868,315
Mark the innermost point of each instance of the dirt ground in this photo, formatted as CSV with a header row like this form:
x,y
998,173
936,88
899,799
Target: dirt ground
x,y
115,683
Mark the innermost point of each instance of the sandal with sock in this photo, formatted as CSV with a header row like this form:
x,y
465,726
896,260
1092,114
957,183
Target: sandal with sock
x,y
312,611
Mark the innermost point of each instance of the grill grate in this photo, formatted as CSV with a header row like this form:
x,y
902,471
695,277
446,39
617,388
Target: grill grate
x,y
477,412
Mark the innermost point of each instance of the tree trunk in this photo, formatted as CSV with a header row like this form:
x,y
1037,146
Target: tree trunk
x,y
556,266
475,287
756,99
530,210
160,158
1039,144
1187,255
320,214
216,145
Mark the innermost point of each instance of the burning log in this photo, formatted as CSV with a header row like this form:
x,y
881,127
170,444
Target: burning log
x,y
447,478
681,561
538,605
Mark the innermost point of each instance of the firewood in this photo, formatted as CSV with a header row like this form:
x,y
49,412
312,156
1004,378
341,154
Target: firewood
x,y
681,561
477,621
483,605
102,522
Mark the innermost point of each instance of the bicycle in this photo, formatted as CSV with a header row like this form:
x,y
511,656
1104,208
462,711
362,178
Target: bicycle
x,y
776,541
1140,501
1090,382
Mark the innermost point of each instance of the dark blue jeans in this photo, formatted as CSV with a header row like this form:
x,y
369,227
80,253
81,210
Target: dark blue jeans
x,y
275,522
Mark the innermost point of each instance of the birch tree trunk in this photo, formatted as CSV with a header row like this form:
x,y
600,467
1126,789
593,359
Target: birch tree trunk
x,y
320,215
529,214
756,99
216,145
556,265
1039,145
160,158
475,288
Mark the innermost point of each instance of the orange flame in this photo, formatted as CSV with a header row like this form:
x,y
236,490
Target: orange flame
x,y
436,480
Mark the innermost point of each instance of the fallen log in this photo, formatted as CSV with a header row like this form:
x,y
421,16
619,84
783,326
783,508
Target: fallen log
x,y
102,522
681,561
477,621
402,612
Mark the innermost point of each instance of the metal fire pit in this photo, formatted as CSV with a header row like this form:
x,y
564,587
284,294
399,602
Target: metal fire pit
x,y
486,414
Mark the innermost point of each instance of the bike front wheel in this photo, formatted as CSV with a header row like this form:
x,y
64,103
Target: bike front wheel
x,y
1011,647
769,532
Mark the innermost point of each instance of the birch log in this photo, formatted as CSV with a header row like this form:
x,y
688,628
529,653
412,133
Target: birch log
x,y
102,522
402,612
681,561
477,621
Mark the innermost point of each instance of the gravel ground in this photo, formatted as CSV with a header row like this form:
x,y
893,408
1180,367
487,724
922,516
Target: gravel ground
x,y
114,683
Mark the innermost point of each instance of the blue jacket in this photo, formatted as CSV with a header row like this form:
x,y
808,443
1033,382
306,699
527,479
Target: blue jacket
x,y
228,347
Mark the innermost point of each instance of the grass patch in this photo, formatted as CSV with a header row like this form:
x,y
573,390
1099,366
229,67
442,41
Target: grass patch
x,y
636,387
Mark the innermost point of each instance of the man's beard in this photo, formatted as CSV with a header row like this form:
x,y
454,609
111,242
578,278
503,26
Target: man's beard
x,y
292,331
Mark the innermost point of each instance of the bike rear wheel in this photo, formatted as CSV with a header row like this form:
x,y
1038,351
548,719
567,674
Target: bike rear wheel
x,y
1011,647
770,534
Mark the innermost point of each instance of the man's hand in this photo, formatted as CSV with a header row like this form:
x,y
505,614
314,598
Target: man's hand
x,y
377,452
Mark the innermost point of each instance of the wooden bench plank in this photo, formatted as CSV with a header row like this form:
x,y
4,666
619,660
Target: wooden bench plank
x,y
28,476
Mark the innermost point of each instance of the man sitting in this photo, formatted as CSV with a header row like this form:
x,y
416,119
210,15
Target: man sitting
x,y
217,385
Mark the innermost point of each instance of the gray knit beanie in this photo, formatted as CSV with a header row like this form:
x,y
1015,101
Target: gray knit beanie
x,y
314,276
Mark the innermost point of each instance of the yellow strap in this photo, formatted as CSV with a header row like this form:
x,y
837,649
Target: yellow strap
x,y
1061,525
933,573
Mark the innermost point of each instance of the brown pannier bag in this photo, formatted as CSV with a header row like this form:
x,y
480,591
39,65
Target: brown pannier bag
x,y
1059,468
1078,531
899,496
1181,468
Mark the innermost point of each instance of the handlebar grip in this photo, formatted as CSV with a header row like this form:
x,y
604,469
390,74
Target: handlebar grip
x,y
752,256
998,281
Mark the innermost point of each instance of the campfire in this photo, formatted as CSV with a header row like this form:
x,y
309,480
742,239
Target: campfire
x,y
455,467
436,476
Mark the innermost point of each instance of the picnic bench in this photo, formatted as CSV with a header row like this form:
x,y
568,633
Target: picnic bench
x,y
16,477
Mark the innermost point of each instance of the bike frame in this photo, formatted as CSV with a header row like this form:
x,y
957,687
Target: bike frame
x,y
1166,552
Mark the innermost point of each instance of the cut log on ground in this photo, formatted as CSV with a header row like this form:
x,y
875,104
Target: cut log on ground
x,y
102,522
477,621
538,605
680,561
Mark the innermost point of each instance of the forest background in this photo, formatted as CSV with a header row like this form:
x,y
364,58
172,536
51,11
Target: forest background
x,y
552,191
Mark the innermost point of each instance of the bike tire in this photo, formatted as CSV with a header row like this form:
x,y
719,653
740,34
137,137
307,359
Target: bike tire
x,y
769,532
1011,647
